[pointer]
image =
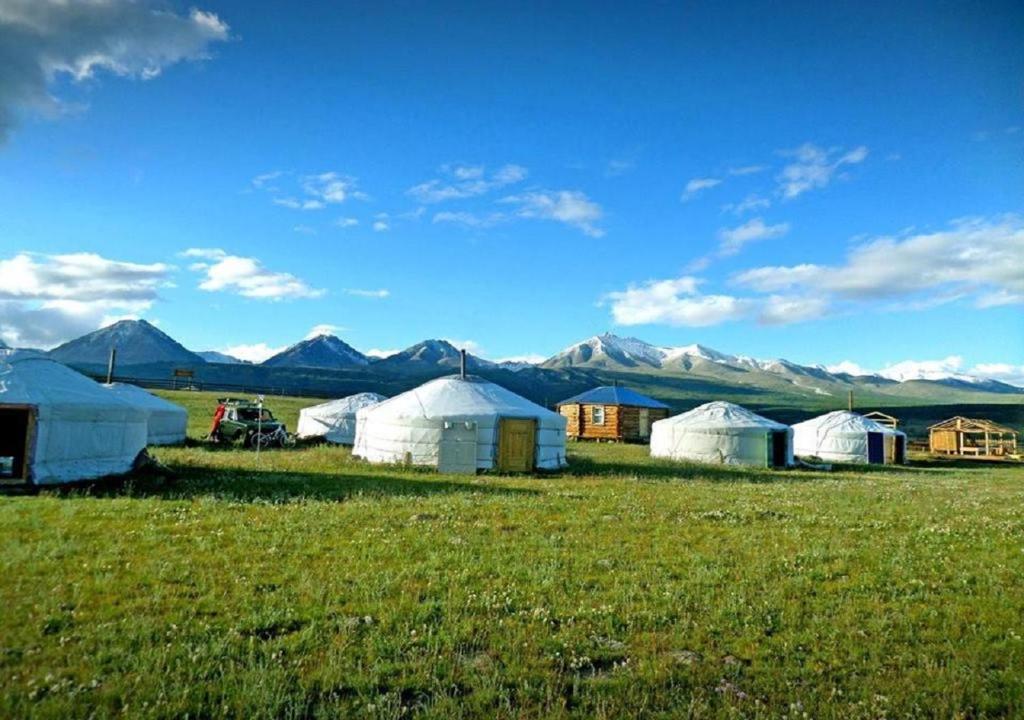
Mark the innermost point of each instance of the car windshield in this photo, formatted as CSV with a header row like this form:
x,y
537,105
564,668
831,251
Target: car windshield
x,y
253,414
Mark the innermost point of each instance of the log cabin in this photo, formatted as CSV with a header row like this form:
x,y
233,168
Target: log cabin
x,y
611,413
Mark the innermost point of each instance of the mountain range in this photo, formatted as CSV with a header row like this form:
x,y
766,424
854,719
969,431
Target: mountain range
x,y
681,376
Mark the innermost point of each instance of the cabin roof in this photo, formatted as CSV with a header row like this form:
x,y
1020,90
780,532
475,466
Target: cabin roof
x,y
614,395
966,424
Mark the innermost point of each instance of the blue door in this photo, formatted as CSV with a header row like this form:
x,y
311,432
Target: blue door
x,y
876,448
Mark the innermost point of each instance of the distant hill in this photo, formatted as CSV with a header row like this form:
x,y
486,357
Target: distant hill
x,y
430,356
137,343
322,351
212,356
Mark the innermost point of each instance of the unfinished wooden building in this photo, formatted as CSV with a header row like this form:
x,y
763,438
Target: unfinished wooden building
x,y
883,419
972,437
611,413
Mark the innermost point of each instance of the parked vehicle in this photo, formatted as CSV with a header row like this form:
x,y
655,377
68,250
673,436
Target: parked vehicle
x,y
249,422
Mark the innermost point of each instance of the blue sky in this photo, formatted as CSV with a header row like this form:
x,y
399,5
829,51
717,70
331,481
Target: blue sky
x,y
825,184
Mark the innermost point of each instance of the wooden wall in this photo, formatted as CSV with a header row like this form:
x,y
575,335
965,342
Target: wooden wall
x,y
944,441
621,422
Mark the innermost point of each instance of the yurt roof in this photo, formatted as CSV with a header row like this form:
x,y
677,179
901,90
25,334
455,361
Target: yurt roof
x,y
614,395
348,404
457,396
721,414
138,396
844,421
30,378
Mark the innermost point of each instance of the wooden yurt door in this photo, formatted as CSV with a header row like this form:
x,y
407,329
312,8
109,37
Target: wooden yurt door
x,y
517,441
779,448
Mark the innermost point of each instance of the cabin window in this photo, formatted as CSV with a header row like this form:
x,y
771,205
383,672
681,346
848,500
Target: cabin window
x,y
597,415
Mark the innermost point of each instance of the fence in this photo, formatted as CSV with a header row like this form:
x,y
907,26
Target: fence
x,y
199,386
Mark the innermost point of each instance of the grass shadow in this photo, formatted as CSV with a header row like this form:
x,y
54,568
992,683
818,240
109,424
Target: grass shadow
x,y
272,486
666,470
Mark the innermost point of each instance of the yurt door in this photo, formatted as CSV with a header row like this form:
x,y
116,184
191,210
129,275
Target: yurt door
x,y
780,448
15,424
901,450
645,423
876,448
457,451
517,439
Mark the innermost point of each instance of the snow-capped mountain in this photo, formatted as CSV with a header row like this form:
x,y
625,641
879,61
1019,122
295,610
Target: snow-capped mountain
x,y
214,356
137,343
427,355
322,351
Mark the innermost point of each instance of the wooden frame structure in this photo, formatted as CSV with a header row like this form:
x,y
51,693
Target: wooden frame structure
x,y
972,437
882,419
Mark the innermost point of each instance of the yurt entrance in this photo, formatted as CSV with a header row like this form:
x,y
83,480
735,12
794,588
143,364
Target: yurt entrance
x,y
779,447
900,450
15,423
876,447
517,441
457,450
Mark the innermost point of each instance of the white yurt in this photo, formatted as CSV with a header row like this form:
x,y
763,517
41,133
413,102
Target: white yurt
x,y
844,436
167,422
335,421
723,433
58,426
462,424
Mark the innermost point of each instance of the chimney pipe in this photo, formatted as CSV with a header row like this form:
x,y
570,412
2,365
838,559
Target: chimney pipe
x,y
110,365
850,401
462,363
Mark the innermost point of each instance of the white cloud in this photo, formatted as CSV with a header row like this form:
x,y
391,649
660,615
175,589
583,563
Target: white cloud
x,y
673,302
950,366
470,346
747,170
848,367
330,188
732,240
378,294
346,222
262,180
571,207
43,41
47,299
785,309
748,204
379,353
323,329
295,204
814,167
1004,372
923,369
617,167
254,353
469,219
531,358
465,182
246,276
382,223
696,186
304,229
981,258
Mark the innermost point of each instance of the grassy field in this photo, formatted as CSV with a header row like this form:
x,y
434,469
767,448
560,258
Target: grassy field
x,y
307,584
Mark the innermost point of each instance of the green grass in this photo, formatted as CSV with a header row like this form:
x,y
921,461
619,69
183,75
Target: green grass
x,y
307,584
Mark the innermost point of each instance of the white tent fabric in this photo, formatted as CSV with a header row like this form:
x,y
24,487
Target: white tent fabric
x,y
167,422
335,421
411,425
78,430
719,432
841,436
